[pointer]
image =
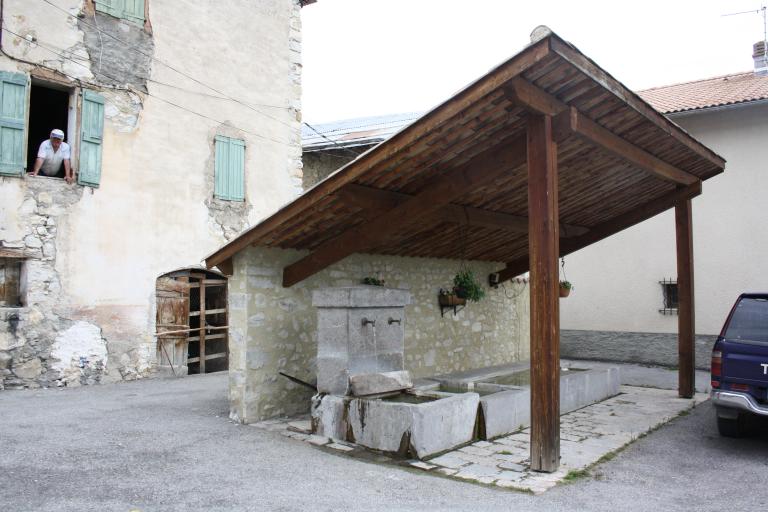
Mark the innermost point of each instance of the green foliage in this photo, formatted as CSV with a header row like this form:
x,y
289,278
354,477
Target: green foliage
x,y
373,281
566,284
466,286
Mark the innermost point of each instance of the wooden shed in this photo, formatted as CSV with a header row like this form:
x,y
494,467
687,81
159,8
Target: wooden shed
x,y
542,156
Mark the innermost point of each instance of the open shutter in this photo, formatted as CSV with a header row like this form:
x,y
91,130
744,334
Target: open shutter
x,y
133,10
230,169
112,7
90,139
13,114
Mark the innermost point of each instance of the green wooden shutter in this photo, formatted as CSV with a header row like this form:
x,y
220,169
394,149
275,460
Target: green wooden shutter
x,y
13,115
111,7
90,139
230,169
133,10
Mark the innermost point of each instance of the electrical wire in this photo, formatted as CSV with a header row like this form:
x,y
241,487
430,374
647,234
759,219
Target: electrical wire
x,y
50,49
186,75
330,140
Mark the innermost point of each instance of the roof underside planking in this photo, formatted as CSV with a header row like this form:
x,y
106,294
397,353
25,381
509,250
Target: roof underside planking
x,y
454,183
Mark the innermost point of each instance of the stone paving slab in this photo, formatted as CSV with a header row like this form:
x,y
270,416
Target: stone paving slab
x,y
587,435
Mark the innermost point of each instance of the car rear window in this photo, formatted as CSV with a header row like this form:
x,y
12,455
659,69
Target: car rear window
x,y
749,321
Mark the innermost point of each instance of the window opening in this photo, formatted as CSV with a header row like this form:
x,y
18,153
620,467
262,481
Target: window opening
x,y
669,290
10,282
48,110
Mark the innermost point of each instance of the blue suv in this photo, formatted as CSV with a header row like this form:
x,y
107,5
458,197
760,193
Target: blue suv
x,y
740,365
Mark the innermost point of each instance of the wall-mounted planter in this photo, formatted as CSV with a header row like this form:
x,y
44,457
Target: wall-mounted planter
x,y
564,292
451,301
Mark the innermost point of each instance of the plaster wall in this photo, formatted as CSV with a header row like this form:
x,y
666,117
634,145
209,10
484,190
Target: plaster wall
x,y
617,280
154,210
275,329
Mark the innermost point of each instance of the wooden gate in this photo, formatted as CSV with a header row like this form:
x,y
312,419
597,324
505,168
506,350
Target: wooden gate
x,y
192,322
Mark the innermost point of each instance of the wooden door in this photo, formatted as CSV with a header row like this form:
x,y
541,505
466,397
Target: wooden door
x,y
172,316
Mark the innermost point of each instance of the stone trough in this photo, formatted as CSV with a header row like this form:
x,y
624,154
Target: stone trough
x,y
505,394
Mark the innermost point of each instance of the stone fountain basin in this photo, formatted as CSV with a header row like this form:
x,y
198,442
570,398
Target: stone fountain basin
x,y
418,424
506,408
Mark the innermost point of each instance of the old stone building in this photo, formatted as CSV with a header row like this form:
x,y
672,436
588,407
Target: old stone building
x,y
183,123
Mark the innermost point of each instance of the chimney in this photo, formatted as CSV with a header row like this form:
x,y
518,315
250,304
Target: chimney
x,y
760,58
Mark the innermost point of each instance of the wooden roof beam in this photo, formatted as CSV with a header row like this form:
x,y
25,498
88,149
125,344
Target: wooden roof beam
x,y
570,121
606,229
480,170
379,201
592,132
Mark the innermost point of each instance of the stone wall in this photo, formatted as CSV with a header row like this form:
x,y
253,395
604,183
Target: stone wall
x,y
319,164
274,328
632,347
94,254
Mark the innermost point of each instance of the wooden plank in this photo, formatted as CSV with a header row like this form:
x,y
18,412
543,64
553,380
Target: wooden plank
x,y
209,312
525,94
543,242
203,313
596,134
611,227
379,201
209,283
209,337
225,266
686,310
587,66
430,122
453,184
208,357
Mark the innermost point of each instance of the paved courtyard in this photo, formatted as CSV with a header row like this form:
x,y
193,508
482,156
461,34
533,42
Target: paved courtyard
x,y
586,436
167,445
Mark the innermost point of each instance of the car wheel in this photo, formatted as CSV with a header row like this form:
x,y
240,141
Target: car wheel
x,y
731,427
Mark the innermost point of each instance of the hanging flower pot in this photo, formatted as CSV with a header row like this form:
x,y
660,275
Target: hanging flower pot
x,y
565,288
451,299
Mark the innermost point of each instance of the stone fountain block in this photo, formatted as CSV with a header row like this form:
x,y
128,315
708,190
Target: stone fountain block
x,y
373,383
360,332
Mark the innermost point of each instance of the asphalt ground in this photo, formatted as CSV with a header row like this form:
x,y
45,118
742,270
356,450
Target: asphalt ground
x,y
158,445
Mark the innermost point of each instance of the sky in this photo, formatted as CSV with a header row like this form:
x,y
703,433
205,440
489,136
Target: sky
x,y
376,57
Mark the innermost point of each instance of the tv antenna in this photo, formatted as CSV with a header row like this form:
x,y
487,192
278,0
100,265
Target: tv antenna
x,y
762,10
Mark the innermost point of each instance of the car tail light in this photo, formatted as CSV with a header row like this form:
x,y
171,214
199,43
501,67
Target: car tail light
x,y
716,368
717,363
740,387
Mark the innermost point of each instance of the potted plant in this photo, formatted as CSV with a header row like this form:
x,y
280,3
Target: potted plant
x,y
466,287
565,288
449,298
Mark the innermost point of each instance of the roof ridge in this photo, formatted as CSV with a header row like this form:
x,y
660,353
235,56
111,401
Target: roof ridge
x,y
695,81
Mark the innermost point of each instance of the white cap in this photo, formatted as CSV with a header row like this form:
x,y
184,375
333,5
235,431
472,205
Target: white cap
x,y
57,134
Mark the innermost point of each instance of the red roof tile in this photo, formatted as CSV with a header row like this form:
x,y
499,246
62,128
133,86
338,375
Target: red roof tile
x,y
710,92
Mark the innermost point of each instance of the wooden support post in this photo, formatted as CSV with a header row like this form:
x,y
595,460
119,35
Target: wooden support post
x,y
202,325
686,314
543,243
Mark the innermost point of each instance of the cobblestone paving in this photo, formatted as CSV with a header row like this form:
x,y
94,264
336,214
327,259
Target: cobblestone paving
x,y
586,435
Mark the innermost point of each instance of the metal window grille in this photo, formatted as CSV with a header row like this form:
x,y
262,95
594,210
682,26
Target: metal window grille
x,y
669,291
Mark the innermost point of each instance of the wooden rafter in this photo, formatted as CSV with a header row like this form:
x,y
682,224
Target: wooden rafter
x,y
480,170
571,121
613,226
376,201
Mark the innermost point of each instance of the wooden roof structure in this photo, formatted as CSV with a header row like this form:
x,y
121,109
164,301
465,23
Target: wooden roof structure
x,y
542,156
464,164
